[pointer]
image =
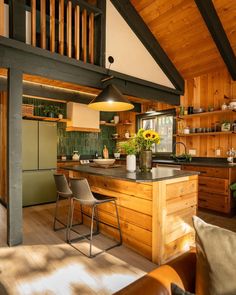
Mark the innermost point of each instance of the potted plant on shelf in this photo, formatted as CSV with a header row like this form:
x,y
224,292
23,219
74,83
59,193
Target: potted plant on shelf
x,y
144,142
225,126
52,111
130,148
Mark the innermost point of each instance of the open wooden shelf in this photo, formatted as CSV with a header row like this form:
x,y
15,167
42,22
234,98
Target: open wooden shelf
x,y
128,123
219,112
40,118
206,134
108,124
113,124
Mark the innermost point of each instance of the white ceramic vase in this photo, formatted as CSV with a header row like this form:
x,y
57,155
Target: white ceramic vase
x,y
131,163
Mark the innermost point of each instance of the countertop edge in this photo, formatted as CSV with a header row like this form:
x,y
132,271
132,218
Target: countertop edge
x,y
183,173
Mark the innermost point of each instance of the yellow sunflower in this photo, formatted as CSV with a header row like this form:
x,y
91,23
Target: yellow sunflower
x,y
147,134
154,135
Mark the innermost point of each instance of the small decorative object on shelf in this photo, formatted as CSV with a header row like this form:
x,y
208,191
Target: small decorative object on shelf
x,y
27,110
231,154
116,119
224,106
225,126
187,130
52,111
181,110
190,110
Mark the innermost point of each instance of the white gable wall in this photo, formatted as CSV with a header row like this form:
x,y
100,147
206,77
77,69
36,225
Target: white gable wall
x,y
130,55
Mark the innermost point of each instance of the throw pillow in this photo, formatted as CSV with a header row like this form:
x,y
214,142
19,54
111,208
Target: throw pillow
x,y
176,290
216,259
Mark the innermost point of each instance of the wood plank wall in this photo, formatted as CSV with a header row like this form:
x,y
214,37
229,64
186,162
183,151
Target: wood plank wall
x,y
204,91
3,146
2,17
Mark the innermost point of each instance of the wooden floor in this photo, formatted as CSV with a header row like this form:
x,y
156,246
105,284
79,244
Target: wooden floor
x,y
221,221
45,264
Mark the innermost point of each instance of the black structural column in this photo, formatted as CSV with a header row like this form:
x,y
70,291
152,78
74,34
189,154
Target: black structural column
x,y
17,20
14,208
216,29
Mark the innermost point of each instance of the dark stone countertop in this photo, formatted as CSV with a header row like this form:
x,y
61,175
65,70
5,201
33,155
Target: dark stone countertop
x,y
157,174
218,164
207,162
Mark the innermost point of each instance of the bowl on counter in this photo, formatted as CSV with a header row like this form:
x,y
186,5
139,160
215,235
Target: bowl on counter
x,y
104,161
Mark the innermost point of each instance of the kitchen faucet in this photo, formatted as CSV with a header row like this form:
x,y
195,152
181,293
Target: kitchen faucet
x,y
179,142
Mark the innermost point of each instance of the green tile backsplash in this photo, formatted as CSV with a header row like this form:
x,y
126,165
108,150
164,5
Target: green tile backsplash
x,y
86,143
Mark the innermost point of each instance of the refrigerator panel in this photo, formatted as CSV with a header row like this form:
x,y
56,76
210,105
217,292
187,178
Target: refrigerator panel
x,y
29,145
47,145
38,187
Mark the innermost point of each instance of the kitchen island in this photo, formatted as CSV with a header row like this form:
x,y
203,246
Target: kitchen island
x,y
155,208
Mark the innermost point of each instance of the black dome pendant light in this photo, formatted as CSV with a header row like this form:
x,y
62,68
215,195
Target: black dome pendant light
x,y
110,98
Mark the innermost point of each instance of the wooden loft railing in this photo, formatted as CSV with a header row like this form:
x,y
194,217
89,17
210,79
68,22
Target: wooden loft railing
x,y
70,28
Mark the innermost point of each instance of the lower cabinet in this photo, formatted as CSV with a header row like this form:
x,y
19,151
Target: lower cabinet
x,y
213,187
38,187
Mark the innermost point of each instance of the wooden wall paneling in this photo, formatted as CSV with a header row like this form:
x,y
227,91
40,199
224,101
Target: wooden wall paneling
x,y
43,23
2,17
33,22
233,89
77,32
52,25
3,147
61,26
69,29
84,35
193,54
91,38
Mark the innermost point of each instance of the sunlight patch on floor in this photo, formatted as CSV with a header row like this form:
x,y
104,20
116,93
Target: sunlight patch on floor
x,y
58,282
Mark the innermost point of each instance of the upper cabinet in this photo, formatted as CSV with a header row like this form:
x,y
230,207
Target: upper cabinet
x,y
82,118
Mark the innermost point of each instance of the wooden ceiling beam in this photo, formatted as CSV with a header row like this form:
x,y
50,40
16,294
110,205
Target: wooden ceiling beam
x,y
136,23
215,27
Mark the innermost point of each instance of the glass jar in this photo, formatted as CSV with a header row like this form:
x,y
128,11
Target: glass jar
x,y
234,126
186,130
217,126
181,110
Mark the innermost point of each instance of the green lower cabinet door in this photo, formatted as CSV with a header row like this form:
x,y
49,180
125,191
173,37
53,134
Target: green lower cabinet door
x,y
38,187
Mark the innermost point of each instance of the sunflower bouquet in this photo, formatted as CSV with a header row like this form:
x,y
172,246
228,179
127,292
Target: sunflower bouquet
x,y
146,138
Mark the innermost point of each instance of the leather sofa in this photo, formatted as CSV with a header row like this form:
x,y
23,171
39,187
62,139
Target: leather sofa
x,y
180,271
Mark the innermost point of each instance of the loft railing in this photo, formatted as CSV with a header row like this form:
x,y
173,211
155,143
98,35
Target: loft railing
x,y
71,28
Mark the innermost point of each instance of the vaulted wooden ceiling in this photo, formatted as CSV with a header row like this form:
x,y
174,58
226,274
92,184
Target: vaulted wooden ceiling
x,y
181,31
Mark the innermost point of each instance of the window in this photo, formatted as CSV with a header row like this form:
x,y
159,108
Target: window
x,y
162,122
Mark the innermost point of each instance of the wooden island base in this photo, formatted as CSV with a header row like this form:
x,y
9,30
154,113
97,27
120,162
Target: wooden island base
x,y
155,217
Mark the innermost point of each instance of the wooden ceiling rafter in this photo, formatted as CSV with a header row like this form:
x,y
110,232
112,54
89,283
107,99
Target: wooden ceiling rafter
x,y
216,29
66,86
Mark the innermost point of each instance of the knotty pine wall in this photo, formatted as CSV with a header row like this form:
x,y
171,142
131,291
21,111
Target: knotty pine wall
x,y
203,91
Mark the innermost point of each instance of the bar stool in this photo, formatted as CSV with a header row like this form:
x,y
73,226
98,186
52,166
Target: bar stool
x,y
63,192
82,193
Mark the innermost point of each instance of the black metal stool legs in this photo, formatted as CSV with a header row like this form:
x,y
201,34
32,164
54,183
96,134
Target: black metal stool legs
x,y
89,236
